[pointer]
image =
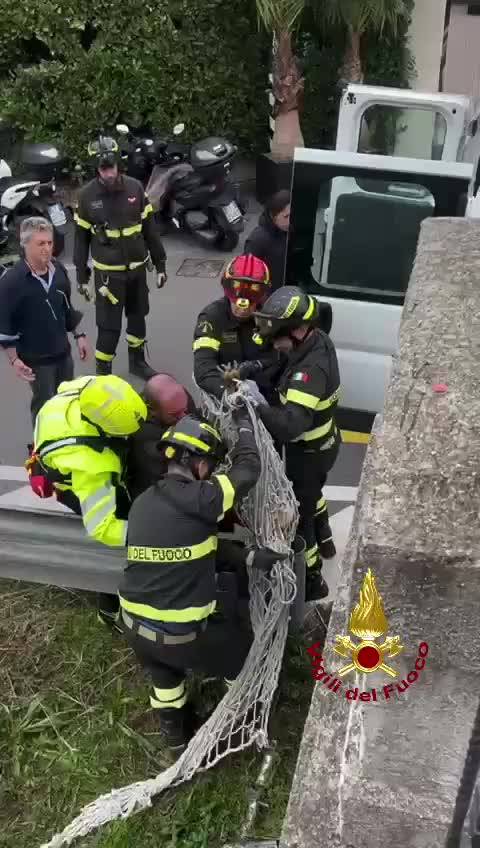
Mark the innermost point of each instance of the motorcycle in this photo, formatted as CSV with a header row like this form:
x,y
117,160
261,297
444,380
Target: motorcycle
x,y
140,153
197,196
22,197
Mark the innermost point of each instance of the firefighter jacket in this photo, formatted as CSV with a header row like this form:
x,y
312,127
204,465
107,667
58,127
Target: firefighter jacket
x,y
308,390
173,538
118,226
220,339
76,457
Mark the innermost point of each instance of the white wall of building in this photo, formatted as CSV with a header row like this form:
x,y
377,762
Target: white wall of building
x,y
426,42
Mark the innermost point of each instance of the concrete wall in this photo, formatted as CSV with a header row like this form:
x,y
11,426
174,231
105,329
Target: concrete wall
x,y
387,773
462,68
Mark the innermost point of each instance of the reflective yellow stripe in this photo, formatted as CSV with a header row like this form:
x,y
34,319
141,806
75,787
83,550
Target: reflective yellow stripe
x,y
82,223
317,433
228,492
308,400
302,398
311,556
321,506
127,231
310,309
168,698
147,211
291,307
134,341
354,438
131,267
191,440
185,553
204,341
104,357
180,616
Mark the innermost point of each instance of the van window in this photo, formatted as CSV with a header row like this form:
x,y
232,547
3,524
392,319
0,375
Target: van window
x,y
410,133
357,237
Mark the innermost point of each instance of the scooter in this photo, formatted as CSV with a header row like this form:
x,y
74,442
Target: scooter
x,y
140,153
197,196
21,198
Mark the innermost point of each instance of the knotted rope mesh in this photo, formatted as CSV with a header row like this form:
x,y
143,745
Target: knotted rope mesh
x,y
270,516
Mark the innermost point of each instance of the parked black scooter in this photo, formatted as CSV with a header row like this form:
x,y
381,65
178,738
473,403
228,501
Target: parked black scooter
x,y
141,152
198,197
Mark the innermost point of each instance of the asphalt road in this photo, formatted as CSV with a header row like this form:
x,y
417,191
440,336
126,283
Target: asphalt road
x,y
172,317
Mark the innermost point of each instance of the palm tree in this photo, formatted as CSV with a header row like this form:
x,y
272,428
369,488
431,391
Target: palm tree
x,y
280,18
358,16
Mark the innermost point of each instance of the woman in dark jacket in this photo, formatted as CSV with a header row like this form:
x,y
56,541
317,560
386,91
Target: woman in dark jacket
x,y
268,241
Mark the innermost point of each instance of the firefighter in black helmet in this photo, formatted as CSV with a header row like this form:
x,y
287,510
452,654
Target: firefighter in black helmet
x,y
168,592
305,421
115,220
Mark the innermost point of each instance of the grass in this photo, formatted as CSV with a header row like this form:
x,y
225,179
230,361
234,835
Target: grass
x,y
73,726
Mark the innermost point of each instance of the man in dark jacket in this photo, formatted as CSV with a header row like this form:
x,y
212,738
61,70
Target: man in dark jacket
x,y
167,401
305,419
36,316
225,332
269,239
115,219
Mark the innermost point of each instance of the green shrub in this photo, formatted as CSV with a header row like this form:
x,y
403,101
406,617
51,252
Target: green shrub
x,y
70,67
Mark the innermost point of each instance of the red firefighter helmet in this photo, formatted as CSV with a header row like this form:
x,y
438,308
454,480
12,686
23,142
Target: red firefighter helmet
x,y
246,281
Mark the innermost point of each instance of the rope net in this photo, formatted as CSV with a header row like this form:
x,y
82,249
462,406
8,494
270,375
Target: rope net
x,y
269,515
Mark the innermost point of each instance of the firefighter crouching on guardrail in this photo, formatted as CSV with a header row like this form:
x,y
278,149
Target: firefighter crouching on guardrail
x,y
115,220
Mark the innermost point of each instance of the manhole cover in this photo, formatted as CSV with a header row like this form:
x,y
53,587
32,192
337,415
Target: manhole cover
x,y
201,268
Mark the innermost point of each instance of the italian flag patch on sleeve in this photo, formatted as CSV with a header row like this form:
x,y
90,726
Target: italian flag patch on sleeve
x,y
301,376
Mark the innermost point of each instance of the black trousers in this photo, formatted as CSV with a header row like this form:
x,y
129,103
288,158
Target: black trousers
x,y
220,651
130,290
47,380
307,469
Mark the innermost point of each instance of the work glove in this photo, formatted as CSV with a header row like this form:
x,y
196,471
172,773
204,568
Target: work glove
x,y
39,484
264,558
84,288
254,394
240,415
244,371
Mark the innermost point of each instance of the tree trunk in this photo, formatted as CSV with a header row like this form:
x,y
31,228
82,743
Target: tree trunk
x,y
288,85
352,70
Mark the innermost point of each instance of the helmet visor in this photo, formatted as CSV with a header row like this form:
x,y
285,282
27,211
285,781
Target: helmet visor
x,y
242,290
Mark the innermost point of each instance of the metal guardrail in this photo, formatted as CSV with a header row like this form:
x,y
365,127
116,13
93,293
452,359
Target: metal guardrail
x,y
41,546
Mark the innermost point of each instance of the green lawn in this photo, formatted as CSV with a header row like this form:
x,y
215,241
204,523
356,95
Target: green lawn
x,y
73,726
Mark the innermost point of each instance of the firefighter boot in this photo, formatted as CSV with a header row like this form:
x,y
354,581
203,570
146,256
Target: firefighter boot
x,y
323,532
103,368
315,586
137,364
177,727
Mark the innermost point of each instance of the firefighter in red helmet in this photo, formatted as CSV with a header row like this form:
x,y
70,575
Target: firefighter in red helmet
x,y
226,335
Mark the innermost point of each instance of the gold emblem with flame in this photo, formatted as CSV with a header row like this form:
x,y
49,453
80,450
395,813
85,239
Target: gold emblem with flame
x,y
368,621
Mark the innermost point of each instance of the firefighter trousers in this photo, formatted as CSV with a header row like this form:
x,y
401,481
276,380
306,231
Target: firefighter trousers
x,y
129,291
307,469
219,651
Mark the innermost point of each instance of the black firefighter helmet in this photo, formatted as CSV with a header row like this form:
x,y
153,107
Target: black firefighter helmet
x,y
193,437
286,309
104,152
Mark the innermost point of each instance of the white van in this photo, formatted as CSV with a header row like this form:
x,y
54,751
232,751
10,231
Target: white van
x,y
401,156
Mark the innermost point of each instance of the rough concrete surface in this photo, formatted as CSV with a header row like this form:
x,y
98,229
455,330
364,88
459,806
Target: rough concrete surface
x,y
370,774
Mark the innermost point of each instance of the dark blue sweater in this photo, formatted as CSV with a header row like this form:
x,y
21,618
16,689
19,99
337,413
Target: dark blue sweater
x,y
33,321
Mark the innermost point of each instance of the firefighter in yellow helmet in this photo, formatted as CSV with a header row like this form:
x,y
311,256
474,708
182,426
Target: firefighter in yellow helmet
x,y
80,444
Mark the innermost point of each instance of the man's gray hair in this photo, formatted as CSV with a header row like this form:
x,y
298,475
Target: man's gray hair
x,y
29,226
